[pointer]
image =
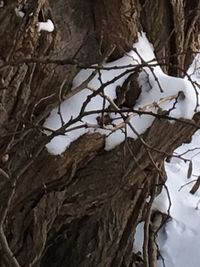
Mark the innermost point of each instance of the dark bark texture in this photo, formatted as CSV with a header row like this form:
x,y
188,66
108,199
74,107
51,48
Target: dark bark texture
x,y
80,208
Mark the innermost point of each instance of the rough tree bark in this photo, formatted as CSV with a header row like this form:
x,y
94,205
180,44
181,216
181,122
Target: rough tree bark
x,y
80,208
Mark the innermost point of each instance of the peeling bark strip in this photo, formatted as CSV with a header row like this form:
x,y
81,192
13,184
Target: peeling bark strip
x,y
80,208
179,26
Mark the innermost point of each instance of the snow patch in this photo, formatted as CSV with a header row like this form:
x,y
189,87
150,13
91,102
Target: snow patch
x,y
155,86
47,26
179,239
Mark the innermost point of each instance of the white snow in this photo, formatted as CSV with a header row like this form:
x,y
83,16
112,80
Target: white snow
x,y
155,85
171,86
194,69
47,26
179,239
72,106
162,202
179,242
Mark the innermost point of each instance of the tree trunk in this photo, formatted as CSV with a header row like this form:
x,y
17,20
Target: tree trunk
x,y
80,208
